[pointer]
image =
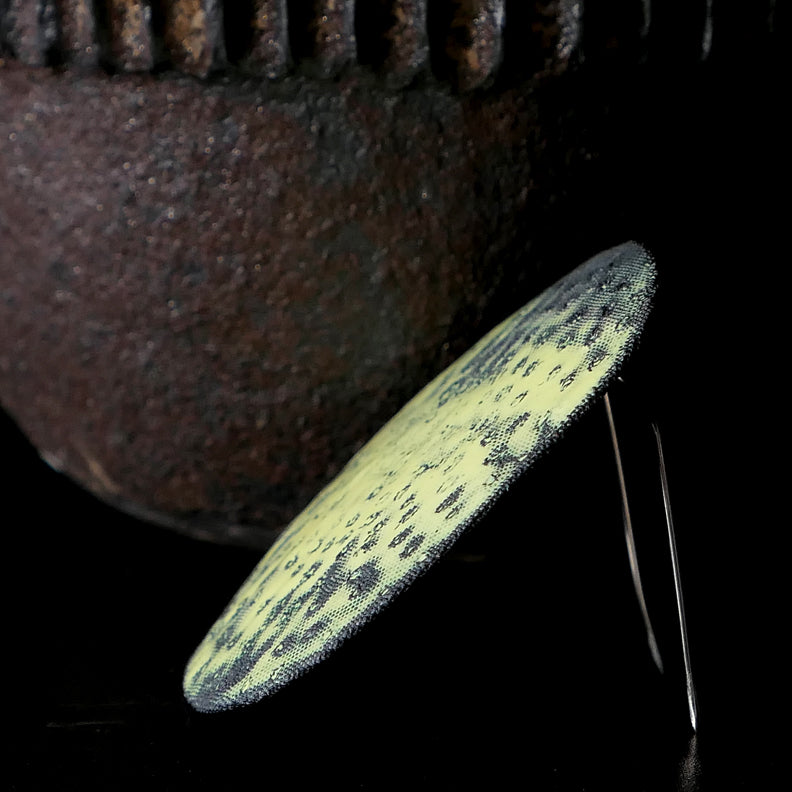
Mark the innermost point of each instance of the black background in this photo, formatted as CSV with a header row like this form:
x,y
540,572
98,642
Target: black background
x,y
520,660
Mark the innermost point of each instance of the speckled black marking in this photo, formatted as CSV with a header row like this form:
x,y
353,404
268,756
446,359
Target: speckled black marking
x,y
364,579
450,499
285,646
519,421
408,514
314,630
372,538
400,537
411,546
332,579
501,457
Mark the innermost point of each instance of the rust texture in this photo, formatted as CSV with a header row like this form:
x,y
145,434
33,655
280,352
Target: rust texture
x,y
563,19
30,29
77,32
554,34
332,33
213,292
269,52
407,44
474,41
194,34
130,34
459,42
225,292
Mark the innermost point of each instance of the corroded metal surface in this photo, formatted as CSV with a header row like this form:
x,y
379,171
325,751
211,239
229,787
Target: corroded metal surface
x,y
212,292
406,43
212,296
131,41
78,32
474,41
331,33
194,35
29,29
461,42
269,44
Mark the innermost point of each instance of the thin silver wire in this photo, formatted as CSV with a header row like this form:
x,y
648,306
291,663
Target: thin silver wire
x,y
691,690
630,539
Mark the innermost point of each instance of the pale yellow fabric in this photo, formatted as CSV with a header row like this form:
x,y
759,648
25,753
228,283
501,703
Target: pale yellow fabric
x,y
423,478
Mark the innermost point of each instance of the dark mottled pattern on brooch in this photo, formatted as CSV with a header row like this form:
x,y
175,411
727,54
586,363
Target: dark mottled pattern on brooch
x,y
423,478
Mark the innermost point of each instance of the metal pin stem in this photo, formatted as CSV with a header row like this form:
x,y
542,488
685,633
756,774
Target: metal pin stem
x,y
691,691
630,539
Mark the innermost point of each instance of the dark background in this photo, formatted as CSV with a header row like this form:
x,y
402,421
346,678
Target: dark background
x,y
451,687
